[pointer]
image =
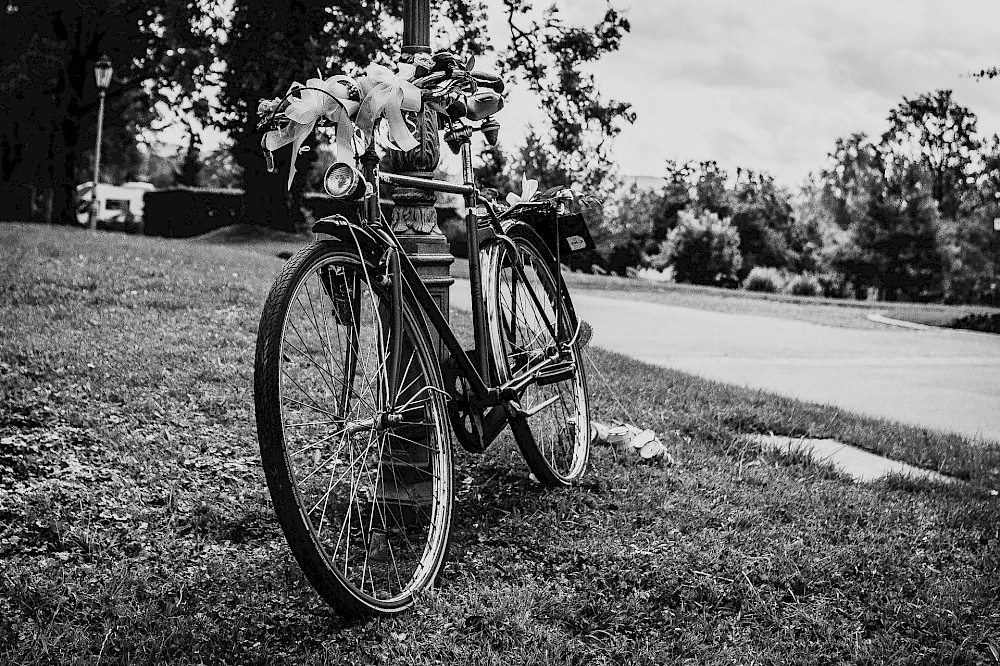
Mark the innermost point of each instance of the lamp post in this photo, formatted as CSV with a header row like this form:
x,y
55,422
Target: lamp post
x,y
414,216
102,74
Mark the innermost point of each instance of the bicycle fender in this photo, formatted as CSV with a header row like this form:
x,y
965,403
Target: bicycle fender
x,y
339,228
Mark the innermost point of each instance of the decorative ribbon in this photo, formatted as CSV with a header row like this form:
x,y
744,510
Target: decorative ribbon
x,y
389,94
305,111
529,186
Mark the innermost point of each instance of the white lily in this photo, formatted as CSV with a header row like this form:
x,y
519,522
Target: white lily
x,y
529,186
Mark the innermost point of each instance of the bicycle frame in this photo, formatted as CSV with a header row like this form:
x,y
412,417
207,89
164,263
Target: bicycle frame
x,y
477,372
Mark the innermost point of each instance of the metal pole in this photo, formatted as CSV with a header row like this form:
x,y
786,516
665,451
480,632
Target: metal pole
x,y
416,26
415,223
97,164
414,216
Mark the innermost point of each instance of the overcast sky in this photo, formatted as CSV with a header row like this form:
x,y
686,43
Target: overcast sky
x,y
771,84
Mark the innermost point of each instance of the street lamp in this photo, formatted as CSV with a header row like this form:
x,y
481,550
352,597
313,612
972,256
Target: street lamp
x,y
102,74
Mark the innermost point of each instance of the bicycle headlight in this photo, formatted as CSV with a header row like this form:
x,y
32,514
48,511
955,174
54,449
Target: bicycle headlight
x,y
342,181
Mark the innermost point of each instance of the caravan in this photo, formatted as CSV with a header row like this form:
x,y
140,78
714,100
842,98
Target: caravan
x,y
118,206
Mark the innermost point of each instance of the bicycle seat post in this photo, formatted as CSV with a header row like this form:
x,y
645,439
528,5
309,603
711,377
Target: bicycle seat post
x,y
462,135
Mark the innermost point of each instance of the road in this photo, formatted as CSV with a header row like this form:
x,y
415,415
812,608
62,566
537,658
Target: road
x,y
941,379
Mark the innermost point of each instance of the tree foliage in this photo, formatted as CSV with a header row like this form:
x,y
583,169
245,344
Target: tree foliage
x,y
937,135
759,210
268,47
762,214
304,36
48,93
916,207
550,57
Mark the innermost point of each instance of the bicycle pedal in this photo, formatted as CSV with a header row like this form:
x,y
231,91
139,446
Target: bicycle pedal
x,y
558,372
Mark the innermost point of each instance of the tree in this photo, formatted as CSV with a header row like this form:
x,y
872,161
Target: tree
x,y
343,36
551,57
760,211
625,230
971,251
891,232
494,171
916,207
47,88
220,170
539,161
763,217
939,135
190,167
676,196
268,47
854,174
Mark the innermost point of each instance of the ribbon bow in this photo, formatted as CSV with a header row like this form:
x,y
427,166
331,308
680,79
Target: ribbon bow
x,y
529,186
305,111
389,94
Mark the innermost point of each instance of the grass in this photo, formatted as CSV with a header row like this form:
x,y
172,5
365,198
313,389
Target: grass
x,y
135,526
257,239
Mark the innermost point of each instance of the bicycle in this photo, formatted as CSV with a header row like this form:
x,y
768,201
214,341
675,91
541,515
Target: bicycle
x,y
353,404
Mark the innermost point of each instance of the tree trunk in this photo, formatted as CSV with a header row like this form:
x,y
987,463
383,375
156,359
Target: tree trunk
x,y
50,198
68,158
269,203
66,141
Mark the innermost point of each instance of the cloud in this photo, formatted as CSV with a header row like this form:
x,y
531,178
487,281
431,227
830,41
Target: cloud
x,y
772,84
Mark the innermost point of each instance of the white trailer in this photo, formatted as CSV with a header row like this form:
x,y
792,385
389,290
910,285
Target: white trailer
x,y
113,201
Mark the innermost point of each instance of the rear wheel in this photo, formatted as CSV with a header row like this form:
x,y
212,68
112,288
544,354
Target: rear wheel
x,y
530,319
360,474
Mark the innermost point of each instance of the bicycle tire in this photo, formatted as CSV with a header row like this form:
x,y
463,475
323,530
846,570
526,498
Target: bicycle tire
x,y
330,453
555,440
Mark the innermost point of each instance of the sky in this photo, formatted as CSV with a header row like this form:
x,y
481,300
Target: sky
x,y
771,84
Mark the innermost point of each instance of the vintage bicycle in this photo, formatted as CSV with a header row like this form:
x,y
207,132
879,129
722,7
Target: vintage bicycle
x,y
354,404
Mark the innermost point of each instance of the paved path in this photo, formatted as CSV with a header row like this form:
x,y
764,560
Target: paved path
x,y
942,379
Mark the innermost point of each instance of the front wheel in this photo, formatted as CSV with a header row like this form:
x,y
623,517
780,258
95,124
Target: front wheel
x,y
531,323
360,472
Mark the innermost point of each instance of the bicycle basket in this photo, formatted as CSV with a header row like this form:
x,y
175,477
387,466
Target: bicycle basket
x,y
564,235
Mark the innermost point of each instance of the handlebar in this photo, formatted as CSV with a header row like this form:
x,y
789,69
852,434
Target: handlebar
x,y
458,76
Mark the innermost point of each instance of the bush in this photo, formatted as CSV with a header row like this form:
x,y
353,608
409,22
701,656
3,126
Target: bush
x,y
805,284
835,285
183,212
765,279
704,249
625,256
984,323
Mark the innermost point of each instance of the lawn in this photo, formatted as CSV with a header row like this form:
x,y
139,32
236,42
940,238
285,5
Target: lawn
x,y
135,526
